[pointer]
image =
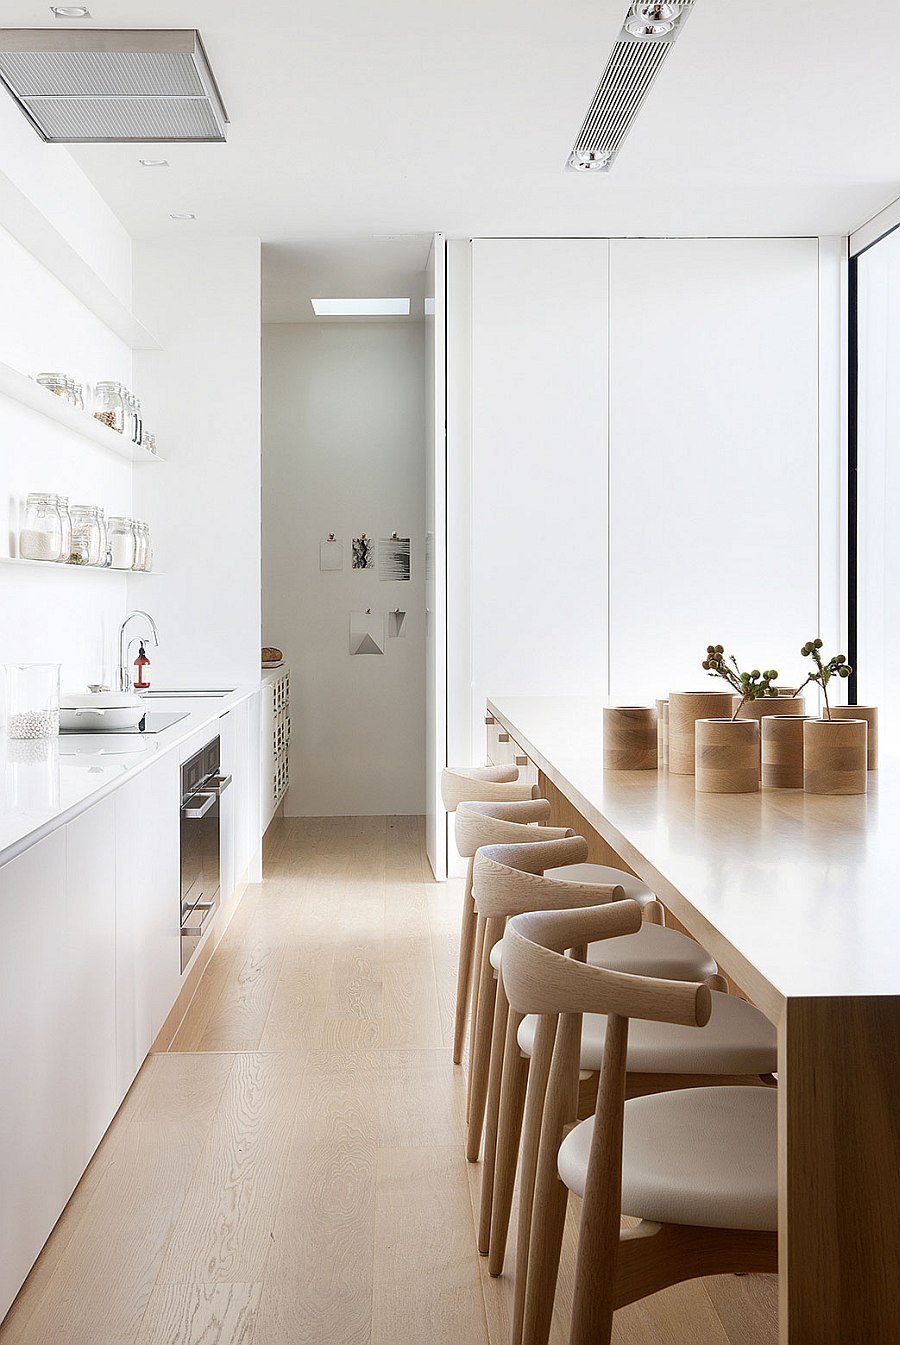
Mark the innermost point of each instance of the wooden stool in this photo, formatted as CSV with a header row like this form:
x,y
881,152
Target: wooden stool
x,y
697,1166
497,784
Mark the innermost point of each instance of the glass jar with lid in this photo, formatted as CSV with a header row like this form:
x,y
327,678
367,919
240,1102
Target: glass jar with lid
x,y
41,536
65,520
121,543
86,538
100,516
55,383
143,548
138,422
149,441
78,396
109,406
130,418
32,700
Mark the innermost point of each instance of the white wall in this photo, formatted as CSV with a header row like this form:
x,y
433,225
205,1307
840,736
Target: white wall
x,y
201,391
344,430
57,615
689,388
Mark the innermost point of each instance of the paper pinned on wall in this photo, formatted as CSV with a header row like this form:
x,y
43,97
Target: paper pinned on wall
x,y
366,633
393,558
396,625
363,553
331,553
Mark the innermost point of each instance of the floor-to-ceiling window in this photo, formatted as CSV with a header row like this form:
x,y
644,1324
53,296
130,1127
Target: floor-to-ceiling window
x,y
875,454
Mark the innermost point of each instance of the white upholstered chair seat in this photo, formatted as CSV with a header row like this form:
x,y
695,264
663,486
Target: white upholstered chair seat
x,y
738,1039
653,951
702,1156
635,889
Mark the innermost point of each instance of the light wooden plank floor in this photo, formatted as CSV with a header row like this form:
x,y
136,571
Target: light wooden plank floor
x,y
292,1171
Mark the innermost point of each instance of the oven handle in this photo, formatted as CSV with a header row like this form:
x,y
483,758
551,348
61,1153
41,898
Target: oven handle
x,y
217,783
195,813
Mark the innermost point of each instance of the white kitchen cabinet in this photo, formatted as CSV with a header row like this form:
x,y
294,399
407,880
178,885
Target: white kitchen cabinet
x,y
148,904
35,1180
89,1024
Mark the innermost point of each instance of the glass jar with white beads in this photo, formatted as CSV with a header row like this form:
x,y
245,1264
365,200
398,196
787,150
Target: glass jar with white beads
x,y
32,700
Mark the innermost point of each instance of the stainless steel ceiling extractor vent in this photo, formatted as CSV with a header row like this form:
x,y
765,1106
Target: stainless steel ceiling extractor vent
x,y
118,84
645,40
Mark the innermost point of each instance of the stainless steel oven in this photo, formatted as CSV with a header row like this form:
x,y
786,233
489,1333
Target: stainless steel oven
x,y
202,784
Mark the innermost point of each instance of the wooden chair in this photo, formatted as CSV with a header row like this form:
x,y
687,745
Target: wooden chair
x,y
479,825
696,1166
489,784
742,1044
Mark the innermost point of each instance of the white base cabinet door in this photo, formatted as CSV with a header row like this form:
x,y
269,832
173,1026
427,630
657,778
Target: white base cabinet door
x,y
148,897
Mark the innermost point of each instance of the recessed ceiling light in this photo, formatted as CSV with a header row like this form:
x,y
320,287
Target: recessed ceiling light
x,y
154,163
652,18
70,12
182,214
589,160
360,308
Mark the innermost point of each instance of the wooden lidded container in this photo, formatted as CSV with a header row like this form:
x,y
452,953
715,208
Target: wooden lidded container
x,y
727,756
870,714
685,708
834,756
782,751
629,738
662,733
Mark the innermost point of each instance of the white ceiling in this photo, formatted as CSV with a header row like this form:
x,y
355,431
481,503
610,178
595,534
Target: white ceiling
x,y
353,120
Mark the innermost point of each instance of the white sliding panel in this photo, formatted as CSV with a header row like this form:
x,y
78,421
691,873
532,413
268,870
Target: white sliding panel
x,y
435,556
713,458
539,470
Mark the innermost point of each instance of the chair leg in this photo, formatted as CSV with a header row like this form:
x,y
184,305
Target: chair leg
x,y
474,995
509,1129
538,1074
492,1117
464,971
550,1193
480,1060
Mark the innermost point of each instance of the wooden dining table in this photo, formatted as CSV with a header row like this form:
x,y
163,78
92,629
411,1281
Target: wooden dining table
x,y
797,896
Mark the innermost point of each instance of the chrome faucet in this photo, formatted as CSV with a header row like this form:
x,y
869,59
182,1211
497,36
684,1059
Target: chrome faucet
x,y
124,670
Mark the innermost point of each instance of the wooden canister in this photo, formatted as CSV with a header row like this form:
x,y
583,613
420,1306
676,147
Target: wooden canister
x,y
685,708
834,756
771,705
782,751
727,756
870,714
662,734
629,738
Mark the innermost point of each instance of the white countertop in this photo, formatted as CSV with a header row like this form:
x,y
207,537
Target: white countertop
x,y
795,894
45,783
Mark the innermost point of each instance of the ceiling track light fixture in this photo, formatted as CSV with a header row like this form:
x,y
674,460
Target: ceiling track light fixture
x,y
647,35
154,163
182,215
70,12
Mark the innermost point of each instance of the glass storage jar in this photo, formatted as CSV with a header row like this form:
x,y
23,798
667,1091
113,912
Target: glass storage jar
x,y
41,537
78,396
121,543
104,539
143,549
86,539
149,441
55,383
65,520
32,700
138,421
109,407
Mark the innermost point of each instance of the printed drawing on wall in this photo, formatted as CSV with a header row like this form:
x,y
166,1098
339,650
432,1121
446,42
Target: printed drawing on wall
x,y
331,554
363,553
366,633
393,558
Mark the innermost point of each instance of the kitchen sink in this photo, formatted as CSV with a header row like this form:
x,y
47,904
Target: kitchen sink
x,y
194,694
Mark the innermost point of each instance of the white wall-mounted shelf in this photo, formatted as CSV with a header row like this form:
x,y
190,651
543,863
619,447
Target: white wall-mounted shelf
x,y
20,217
58,566
24,390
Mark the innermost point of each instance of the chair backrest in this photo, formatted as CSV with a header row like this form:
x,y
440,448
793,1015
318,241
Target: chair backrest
x,y
476,829
509,879
487,784
539,978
